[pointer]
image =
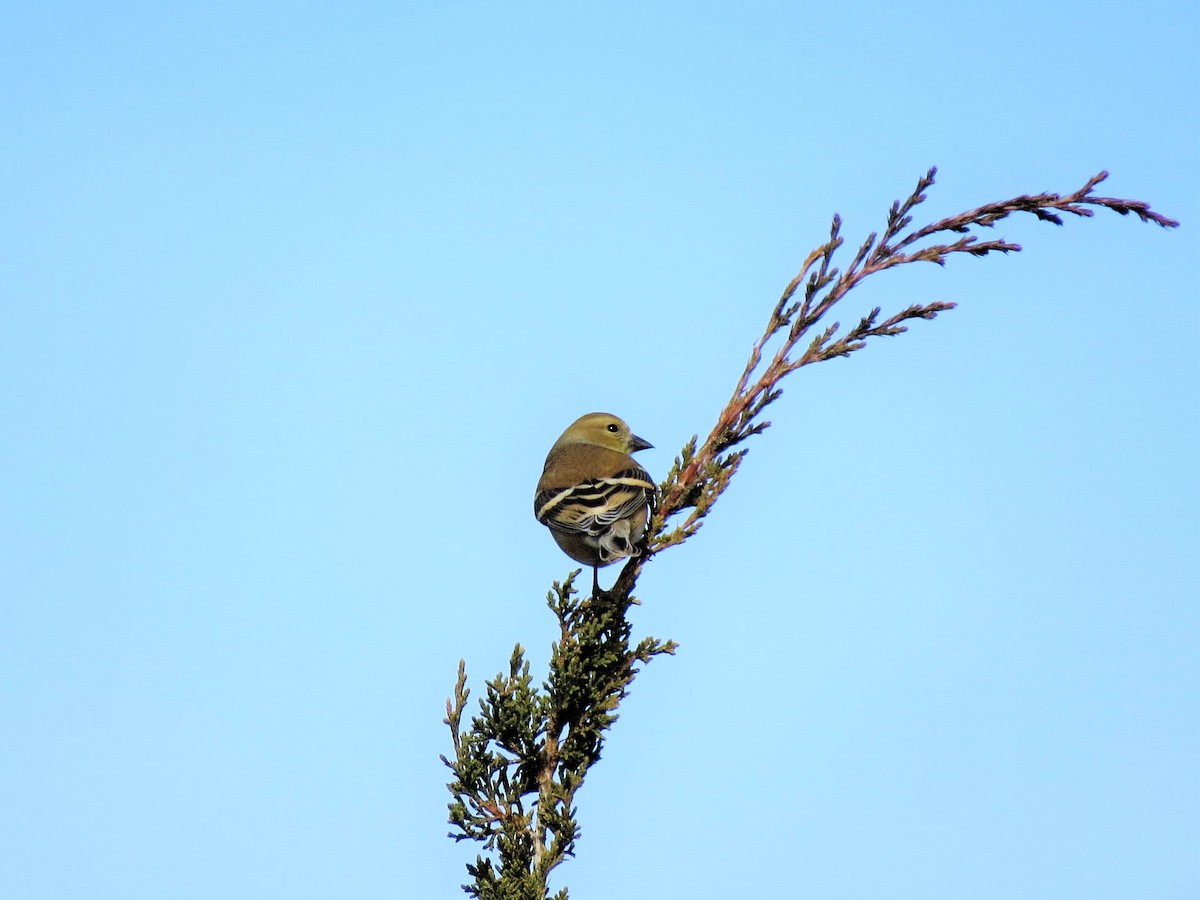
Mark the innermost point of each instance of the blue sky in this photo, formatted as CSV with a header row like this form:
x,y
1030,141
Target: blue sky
x,y
295,298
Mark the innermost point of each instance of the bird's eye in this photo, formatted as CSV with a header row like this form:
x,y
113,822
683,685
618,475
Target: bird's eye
x,y
613,428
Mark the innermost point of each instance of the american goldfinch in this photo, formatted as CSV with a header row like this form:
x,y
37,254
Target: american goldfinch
x,y
592,495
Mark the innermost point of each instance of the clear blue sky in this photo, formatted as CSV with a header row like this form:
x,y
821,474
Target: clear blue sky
x,y
296,296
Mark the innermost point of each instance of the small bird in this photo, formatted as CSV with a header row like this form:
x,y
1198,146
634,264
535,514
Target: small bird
x,y
593,496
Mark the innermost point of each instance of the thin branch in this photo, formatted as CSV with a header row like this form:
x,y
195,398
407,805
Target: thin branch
x,y
702,473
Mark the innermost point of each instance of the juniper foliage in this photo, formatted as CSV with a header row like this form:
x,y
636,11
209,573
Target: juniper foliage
x,y
517,767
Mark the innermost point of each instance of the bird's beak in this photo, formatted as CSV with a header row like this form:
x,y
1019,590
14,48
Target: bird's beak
x,y
636,443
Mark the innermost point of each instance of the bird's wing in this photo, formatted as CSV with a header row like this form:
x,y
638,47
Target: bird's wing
x,y
592,506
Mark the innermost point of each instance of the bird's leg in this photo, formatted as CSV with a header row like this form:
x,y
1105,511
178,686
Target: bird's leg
x,y
595,582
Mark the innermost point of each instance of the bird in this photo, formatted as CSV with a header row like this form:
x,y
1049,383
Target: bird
x,y
593,495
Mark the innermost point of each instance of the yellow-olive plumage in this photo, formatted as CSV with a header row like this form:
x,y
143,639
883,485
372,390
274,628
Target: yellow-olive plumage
x,y
593,496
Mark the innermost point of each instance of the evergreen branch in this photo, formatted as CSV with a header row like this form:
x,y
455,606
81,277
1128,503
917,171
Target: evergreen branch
x,y
701,473
517,768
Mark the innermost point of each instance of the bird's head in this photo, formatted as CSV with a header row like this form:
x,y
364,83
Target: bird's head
x,y
603,430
